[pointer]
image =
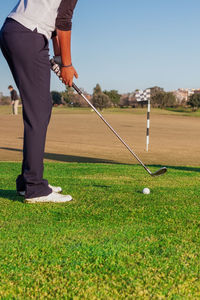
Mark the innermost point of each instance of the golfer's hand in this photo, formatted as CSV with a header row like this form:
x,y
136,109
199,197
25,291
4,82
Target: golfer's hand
x,y
12,102
67,75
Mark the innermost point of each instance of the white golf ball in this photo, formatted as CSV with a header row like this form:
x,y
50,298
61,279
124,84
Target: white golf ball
x,y
146,191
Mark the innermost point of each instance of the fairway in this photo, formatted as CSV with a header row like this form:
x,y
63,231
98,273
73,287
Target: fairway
x,y
111,242
78,135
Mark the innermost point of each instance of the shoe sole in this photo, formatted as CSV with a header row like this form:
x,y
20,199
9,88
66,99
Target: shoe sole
x,y
33,201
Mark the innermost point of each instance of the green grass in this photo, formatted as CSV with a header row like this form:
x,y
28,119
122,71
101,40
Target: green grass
x,y
179,111
183,111
7,109
111,242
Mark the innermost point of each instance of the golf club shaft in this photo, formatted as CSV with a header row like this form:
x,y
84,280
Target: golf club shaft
x,y
109,126
56,69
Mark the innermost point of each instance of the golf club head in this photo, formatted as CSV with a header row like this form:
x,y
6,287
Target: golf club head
x,y
159,172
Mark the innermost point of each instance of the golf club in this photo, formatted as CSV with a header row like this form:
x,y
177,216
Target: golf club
x,y
56,69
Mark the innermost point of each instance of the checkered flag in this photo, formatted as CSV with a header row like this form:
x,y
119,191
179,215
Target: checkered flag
x,y
143,95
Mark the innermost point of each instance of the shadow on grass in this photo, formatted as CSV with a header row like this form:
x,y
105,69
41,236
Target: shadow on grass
x,y
179,168
68,158
82,159
101,186
180,109
182,168
11,195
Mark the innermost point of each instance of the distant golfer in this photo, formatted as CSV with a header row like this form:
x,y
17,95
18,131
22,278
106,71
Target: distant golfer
x,y
24,42
14,100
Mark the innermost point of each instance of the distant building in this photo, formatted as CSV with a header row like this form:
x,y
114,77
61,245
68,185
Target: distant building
x,y
182,95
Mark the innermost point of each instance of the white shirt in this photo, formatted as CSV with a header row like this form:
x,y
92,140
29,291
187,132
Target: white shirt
x,y
40,14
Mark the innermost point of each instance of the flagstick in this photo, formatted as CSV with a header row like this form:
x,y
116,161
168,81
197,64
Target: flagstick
x,y
148,124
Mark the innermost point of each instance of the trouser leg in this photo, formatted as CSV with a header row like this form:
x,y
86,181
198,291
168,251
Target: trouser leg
x,y
16,107
13,109
29,63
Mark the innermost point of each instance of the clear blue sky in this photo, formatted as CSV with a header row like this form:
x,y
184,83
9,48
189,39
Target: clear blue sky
x,y
130,44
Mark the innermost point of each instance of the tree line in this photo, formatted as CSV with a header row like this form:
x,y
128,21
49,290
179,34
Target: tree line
x,y
105,99
100,99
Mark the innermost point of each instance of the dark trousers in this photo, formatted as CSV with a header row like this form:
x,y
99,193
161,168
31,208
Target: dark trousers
x,y
27,54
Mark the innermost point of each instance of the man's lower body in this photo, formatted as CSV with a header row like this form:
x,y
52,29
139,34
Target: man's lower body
x,y
27,55
15,107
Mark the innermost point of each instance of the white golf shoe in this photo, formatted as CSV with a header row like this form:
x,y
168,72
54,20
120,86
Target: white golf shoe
x,y
55,189
52,198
